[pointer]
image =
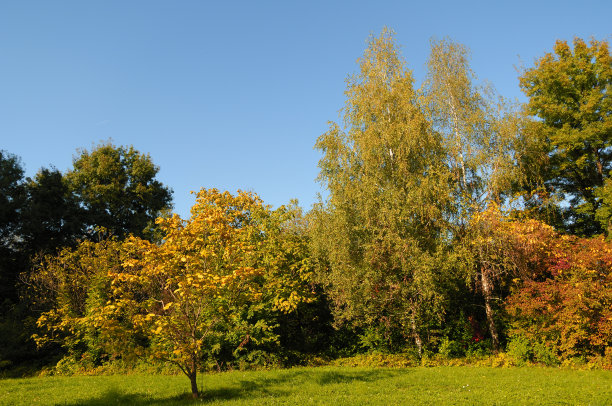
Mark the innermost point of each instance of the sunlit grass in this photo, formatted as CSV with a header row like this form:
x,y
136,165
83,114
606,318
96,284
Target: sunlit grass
x,y
326,385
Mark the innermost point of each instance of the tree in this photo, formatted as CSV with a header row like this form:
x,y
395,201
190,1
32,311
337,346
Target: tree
x,y
68,288
563,307
12,262
480,136
12,198
569,93
206,270
116,187
479,129
38,217
219,274
283,252
52,218
378,236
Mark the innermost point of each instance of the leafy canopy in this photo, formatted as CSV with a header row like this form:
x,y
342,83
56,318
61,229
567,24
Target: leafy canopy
x,y
118,190
569,92
378,233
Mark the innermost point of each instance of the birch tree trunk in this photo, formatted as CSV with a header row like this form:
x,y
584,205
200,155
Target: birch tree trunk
x,y
487,290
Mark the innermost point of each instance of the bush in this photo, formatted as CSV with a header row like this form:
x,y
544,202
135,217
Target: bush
x,y
519,348
451,349
524,351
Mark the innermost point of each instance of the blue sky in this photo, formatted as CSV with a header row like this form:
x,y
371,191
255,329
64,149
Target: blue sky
x,y
234,94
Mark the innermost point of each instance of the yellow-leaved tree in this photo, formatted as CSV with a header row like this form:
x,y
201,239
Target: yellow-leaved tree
x,y
203,275
227,269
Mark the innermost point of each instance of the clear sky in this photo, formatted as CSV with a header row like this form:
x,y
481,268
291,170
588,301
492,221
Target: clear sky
x,y
233,94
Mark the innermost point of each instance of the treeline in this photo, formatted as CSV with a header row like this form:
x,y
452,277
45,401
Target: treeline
x,y
457,224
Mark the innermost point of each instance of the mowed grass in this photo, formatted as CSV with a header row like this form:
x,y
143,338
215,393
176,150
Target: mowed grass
x,y
325,386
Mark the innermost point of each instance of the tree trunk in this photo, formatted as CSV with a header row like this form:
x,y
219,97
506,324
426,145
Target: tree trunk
x,y
600,170
194,384
487,289
415,334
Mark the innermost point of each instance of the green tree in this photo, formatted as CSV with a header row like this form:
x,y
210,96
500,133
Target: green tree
x,y
379,234
12,199
12,262
70,286
118,191
39,216
51,216
569,93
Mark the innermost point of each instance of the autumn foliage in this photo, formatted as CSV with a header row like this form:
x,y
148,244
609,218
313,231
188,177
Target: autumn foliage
x,y
566,303
174,301
560,299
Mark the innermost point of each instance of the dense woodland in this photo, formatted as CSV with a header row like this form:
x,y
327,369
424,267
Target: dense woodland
x,y
457,225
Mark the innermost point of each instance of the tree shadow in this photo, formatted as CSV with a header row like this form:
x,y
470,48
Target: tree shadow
x,y
267,386
252,387
116,397
335,377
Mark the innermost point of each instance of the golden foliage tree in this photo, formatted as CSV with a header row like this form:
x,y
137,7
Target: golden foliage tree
x,y
167,301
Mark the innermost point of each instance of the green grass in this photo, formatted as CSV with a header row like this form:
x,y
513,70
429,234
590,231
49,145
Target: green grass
x,y
325,385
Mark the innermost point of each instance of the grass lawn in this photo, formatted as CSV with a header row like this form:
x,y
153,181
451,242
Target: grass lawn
x,y
325,385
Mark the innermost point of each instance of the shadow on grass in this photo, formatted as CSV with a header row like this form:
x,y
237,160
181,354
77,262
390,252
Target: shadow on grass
x,y
335,377
284,382
277,384
116,397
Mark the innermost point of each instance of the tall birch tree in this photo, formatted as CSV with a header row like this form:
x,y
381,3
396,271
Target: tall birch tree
x,y
379,233
479,134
